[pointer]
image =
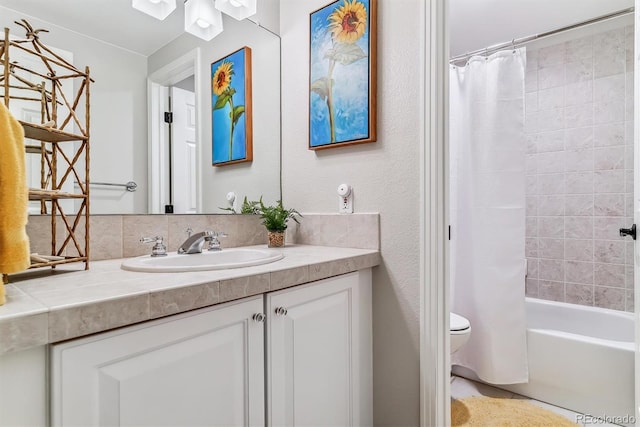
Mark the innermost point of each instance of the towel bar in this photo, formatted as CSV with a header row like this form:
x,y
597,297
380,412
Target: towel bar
x,y
130,186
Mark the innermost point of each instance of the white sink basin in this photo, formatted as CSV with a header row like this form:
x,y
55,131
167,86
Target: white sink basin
x,y
215,260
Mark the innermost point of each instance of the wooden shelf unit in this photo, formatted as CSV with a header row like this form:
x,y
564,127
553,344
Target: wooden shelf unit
x,y
46,134
49,195
61,139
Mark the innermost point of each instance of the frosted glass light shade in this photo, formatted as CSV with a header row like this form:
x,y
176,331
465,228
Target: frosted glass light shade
x,y
239,9
201,19
159,9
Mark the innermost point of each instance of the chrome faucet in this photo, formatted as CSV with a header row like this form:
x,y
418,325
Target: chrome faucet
x,y
195,242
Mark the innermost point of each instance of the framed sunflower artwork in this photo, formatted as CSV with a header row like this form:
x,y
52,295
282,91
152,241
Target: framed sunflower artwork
x,y
342,74
231,121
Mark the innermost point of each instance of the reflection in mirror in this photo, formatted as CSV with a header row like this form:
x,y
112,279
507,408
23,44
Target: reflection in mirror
x,y
261,177
31,100
128,52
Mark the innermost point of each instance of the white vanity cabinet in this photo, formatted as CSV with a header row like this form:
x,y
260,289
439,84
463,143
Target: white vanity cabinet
x,y
207,367
319,361
200,368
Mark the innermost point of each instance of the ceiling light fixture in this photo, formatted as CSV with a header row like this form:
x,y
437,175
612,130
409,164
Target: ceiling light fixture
x,y
202,18
159,9
238,9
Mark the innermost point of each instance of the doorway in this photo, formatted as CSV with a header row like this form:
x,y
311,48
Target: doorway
x,y
582,188
175,138
435,408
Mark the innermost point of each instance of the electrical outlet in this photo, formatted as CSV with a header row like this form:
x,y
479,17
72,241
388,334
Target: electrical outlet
x,y
345,197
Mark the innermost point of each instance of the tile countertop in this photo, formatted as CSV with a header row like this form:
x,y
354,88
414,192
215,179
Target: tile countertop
x,y
46,306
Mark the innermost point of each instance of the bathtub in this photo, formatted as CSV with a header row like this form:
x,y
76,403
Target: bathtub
x,y
580,358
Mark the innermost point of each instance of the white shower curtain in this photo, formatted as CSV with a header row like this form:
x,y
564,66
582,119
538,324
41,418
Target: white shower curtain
x,y
487,152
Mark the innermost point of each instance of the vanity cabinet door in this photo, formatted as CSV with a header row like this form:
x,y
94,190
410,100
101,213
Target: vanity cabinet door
x,y
200,368
319,369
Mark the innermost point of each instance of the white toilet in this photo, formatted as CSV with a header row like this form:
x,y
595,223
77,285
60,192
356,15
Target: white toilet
x,y
460,331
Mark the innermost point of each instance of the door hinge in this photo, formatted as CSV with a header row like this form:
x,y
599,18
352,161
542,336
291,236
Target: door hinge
x,y
168,117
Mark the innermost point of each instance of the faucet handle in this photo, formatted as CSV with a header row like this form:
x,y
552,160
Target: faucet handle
x,y
159,248
189,230
213,242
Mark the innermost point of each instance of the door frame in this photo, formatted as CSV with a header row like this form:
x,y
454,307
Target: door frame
x,y
434,292
636,202
157,90
434,248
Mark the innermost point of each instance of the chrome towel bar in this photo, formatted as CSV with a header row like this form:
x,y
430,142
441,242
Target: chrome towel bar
x,y
130,186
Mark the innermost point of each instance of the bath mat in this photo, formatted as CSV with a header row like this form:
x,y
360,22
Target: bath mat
x,y
480,411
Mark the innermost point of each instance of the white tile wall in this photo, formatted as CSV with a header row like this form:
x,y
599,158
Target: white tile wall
x,y
579,125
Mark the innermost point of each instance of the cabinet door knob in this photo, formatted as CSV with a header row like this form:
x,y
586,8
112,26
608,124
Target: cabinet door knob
x,y
281,311
259,317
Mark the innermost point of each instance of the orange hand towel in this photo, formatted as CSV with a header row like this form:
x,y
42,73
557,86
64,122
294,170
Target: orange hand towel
x,y
14,197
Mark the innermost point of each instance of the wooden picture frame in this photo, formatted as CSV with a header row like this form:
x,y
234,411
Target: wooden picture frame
x,y
231,112
342,74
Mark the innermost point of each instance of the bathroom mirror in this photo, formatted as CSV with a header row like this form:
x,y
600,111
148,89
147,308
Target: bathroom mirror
x,y
124,48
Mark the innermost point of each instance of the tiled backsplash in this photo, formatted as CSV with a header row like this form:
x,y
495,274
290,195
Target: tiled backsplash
x,y
118,236
360,231
579,125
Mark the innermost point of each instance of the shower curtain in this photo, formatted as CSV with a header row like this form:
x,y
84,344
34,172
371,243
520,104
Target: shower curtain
x,y
487,159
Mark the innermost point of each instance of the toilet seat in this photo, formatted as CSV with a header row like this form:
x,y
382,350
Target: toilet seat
x,y
458,324
460,330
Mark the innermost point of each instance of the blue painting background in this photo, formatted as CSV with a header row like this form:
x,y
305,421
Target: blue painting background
x,y
350,85
220,120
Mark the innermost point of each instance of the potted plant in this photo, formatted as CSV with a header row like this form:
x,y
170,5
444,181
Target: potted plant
x,y
275,219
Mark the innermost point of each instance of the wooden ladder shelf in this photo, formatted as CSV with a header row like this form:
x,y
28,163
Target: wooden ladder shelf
x,y
60,93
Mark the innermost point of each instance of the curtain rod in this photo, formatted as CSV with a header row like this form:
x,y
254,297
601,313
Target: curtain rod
x,y
523,40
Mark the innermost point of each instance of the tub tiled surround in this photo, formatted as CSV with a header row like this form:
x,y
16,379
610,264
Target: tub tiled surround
x,y
118,236
579,125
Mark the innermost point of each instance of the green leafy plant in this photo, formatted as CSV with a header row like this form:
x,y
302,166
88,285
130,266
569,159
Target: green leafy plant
x,y
230,209
275,217
247,208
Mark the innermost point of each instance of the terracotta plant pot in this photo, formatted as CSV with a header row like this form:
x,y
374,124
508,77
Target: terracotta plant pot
x,y
276,239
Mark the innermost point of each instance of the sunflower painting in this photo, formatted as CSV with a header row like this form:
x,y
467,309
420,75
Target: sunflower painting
x,y
231,108
342,78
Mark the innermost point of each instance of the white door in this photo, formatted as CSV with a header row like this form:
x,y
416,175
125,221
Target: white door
x,y
195,369
319,353
183,144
